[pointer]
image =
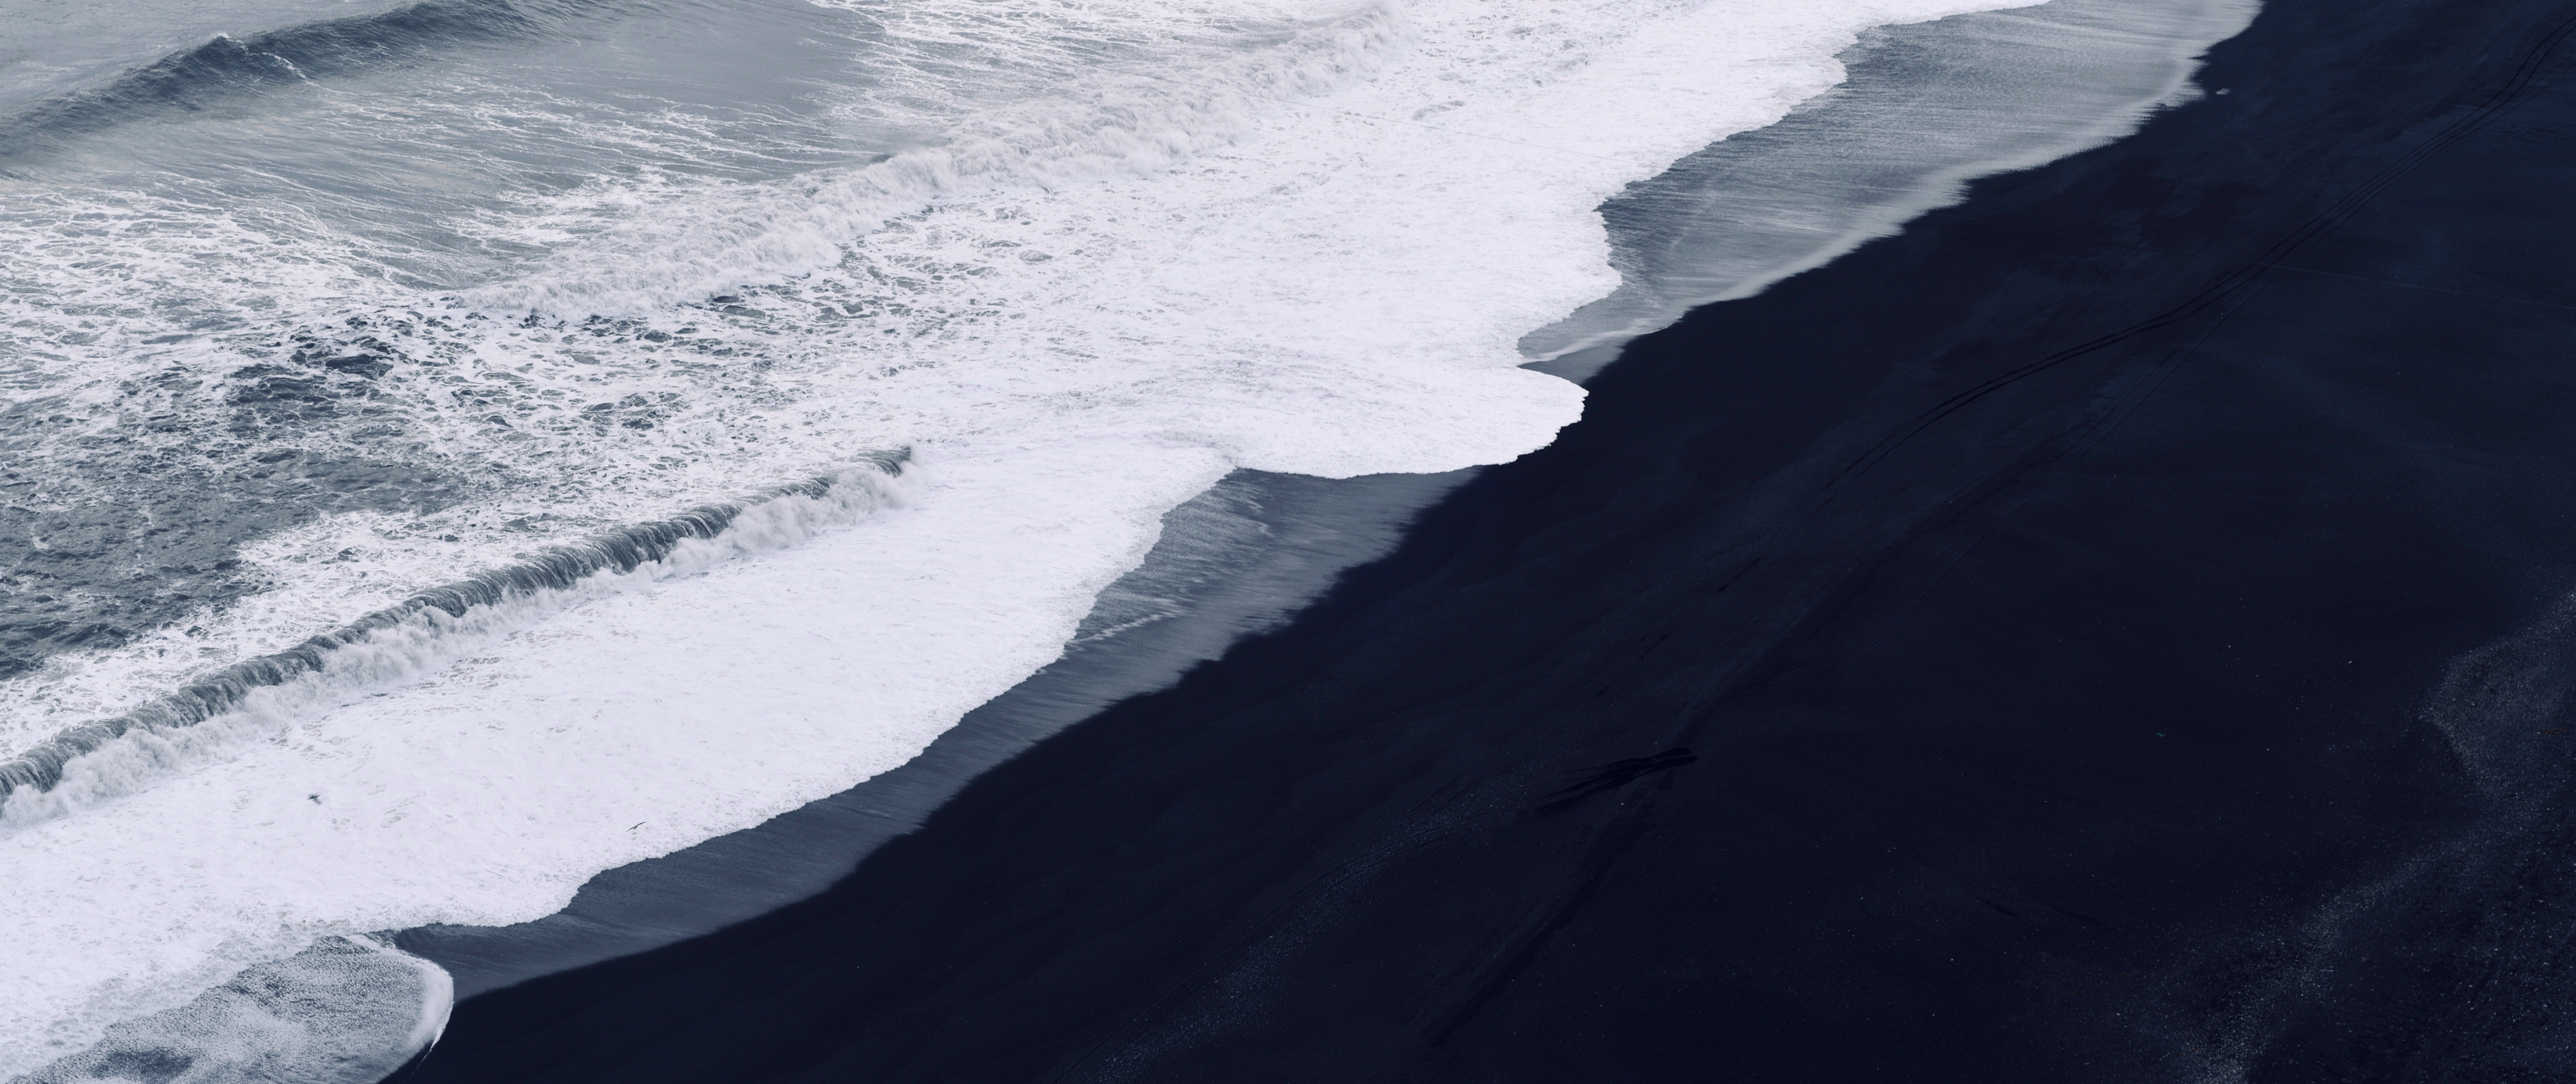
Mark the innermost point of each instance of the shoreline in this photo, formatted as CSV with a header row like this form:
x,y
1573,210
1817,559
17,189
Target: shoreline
x,y
1318,526
2045,643
1924,109
736,877
551,831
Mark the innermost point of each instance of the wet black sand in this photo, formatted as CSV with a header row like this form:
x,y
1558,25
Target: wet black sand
x,y
2117,629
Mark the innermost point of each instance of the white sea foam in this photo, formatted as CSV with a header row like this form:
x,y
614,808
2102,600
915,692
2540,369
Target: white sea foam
x,y
428,635
348,1010
1323,269
1979,94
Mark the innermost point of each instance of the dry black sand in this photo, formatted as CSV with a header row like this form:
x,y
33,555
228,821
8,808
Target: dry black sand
x,y
2118,631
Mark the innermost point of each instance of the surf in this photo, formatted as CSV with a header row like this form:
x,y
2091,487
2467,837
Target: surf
x,y
1089,261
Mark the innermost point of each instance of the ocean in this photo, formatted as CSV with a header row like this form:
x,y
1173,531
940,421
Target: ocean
x,y
464,452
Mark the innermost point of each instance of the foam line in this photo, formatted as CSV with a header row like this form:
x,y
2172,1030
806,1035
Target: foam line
x,y
1133,271
558,568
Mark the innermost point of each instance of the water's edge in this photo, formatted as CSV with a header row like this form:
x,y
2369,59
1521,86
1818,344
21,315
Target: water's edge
x,y
1314,529
1247,554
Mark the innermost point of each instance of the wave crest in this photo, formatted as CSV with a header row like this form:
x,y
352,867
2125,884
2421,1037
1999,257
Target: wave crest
x,y
227,67
419,632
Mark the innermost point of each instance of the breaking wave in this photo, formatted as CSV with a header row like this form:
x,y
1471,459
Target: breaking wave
x,y
115,756
228,67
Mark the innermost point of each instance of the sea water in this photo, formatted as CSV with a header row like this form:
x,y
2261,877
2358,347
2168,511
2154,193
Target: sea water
x,y
316,308
1923,107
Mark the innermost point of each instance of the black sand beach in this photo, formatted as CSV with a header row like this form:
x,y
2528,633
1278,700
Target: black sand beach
x,y
2118,630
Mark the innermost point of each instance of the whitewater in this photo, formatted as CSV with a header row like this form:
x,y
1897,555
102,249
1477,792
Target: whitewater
x,y
489,443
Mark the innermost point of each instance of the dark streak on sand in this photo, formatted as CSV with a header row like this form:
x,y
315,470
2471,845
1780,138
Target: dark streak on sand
x,y
2086,650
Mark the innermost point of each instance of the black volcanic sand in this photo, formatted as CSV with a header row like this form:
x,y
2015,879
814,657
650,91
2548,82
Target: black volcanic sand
x,y
2119,631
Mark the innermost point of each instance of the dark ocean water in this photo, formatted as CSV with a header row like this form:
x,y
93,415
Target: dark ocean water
x,y
359,361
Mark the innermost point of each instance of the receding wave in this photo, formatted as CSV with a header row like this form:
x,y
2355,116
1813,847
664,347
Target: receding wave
x,y
560,568
266,1024
228,67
